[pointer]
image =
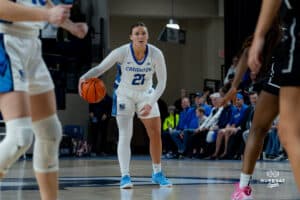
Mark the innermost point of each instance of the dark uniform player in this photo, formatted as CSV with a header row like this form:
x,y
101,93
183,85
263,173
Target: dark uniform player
x,y
289,108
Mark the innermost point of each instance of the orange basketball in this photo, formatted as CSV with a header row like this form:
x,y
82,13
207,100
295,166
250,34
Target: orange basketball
x,y
93,90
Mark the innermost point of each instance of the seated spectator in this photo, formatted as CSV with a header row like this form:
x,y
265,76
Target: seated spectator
x,y
178,102
253,99
231,71
232,128
201,101
169,124
199,137
83,149
207,91
163,109
236,144
273,144
182,139
224,119
200,113
184,117
187,120
250,83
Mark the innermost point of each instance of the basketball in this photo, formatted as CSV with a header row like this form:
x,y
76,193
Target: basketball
x,y
93,90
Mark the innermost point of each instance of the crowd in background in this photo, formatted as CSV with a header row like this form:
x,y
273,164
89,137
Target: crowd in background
x,y
194,126
199,127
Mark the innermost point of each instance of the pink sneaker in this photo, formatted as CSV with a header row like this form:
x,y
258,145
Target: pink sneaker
x,y
241,193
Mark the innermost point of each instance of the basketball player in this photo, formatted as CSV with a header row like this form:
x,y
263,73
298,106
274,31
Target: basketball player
x,y
27,100
266,110
289,108
137,62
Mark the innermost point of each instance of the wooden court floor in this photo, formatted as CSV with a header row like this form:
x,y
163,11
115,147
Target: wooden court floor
x,y
98,179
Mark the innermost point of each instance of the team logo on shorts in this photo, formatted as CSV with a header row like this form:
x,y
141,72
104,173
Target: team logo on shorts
x,y
122,106
22,75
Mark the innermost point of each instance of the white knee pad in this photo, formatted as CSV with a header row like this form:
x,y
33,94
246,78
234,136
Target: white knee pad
x,y
48,134
19,135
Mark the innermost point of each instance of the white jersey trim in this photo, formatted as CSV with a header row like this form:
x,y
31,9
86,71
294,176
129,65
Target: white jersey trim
x,y
272,76
288,4
292,48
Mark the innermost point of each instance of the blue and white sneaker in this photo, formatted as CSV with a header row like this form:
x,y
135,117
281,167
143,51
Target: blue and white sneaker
x,y
159,178
125,182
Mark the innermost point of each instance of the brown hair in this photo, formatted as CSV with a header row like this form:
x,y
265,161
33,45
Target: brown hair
x,y
201,109
136,25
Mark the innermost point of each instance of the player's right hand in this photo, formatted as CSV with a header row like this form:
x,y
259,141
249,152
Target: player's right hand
x,y
79,30
80,82
145,110
59,14
230,95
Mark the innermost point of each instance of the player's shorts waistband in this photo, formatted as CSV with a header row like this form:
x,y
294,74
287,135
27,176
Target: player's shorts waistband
x,y
19,31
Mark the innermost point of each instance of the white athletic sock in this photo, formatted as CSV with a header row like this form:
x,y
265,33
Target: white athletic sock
x,y
125,124
126,194
245,180
156,168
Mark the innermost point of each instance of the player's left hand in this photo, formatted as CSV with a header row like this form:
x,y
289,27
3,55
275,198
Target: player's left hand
x,y
255,54
145,110
79,30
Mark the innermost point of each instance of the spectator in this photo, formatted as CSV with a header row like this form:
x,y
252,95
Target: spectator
x,y
200,100
237,142
184,119
83,148
163,109
182,139
225,117
177,103
231,71
232,128
188,134
169,124
273,144
100,114
251,109
199,137
93,131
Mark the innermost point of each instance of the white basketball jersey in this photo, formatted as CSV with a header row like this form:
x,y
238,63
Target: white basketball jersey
x,y
25,28
31,3
136,74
